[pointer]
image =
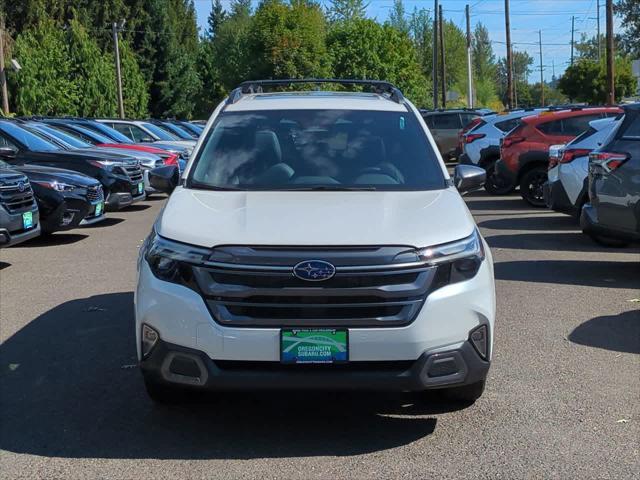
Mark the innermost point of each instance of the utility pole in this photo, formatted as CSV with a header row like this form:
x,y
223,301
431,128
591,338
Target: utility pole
x,y
442,64
598,27
611,88
572,31
115,29
3,75
434,70
509,56
541,70
469,73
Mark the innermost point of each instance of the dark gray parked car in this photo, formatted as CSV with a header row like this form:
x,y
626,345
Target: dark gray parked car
x,y
612,216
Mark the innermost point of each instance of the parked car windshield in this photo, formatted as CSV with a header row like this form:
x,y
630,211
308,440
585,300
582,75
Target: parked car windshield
x,y
317,149
107,131
68,139
159,132
29,140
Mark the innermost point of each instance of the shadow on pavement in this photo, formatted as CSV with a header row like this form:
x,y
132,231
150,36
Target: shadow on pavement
x,y
620,333
156,197
572,272
71,388
548,222
53,240
107,222
4,265
500,204
556,241
138,207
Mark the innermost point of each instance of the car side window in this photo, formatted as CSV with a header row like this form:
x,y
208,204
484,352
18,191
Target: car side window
x,y
551,128
428,120
124,129
447,121
467,118
6,143
507,125
577,125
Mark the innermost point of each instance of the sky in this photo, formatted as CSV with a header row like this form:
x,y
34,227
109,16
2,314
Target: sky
x,y
552,17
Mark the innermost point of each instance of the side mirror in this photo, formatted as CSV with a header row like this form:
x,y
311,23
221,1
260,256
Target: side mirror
x,y
467,178
8,152
164,179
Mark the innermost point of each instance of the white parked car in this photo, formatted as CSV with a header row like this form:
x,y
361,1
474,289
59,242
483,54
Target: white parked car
x,y
567,190
316,241
140,131
481,145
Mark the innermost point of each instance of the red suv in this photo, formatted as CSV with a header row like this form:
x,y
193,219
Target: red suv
x,y
524,152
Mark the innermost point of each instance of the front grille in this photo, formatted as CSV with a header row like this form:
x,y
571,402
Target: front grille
x,y
133,171
95,194
16,195
379,286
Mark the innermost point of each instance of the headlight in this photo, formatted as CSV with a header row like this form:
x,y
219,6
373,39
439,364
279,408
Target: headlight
x,y
170,261
456,261
58,186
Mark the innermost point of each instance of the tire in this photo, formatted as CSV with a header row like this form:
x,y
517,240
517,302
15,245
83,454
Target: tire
x,y
608,241
531,186
163,394
495,184
467,394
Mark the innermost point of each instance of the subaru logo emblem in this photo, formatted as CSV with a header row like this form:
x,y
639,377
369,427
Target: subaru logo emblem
x,y
314,270
21,186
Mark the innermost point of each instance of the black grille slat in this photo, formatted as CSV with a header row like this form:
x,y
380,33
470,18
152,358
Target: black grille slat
x,y
134,172
14,200
262,290
95,194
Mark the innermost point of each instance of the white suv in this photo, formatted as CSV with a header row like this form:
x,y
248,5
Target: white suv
x,y
566,190
316,241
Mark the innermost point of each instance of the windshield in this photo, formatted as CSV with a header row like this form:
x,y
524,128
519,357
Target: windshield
x,y
158,132
106,130
29,140
317,149
66,138
95,136
176,130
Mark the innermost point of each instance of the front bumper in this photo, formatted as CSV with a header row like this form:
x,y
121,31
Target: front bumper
x,y
172,364
12,230
65,216
502,170
120,200
556,198
448,314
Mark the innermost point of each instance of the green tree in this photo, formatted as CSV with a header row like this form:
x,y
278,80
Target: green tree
x,y
629,40
585,81
484,60
347,10
93,72
365,49
215,19
398,16
135,91
522,62
289,40
45,85
421,33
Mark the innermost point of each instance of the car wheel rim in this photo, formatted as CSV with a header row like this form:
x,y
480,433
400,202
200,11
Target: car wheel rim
x,y
535,186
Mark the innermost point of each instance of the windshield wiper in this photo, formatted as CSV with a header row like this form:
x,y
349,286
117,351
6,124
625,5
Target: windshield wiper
x,y
330,188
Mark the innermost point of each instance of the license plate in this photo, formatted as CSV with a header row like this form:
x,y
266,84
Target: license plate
x,y
140,188
314,345
27,220
99,209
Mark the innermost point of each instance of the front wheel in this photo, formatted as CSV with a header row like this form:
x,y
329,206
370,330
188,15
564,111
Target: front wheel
x,y
531,186
496,184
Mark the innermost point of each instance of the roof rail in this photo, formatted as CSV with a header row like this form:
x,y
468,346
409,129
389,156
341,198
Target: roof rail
x,y
256,86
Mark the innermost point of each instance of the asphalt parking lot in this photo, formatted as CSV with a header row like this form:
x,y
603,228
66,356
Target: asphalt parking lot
x,y
562,399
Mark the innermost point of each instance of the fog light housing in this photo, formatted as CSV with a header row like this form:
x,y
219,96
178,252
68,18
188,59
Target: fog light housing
x,y
149,339
480,341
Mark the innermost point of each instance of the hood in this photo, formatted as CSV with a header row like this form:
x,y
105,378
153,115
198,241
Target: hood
x,y
212,218
82,154
50,174
122,152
